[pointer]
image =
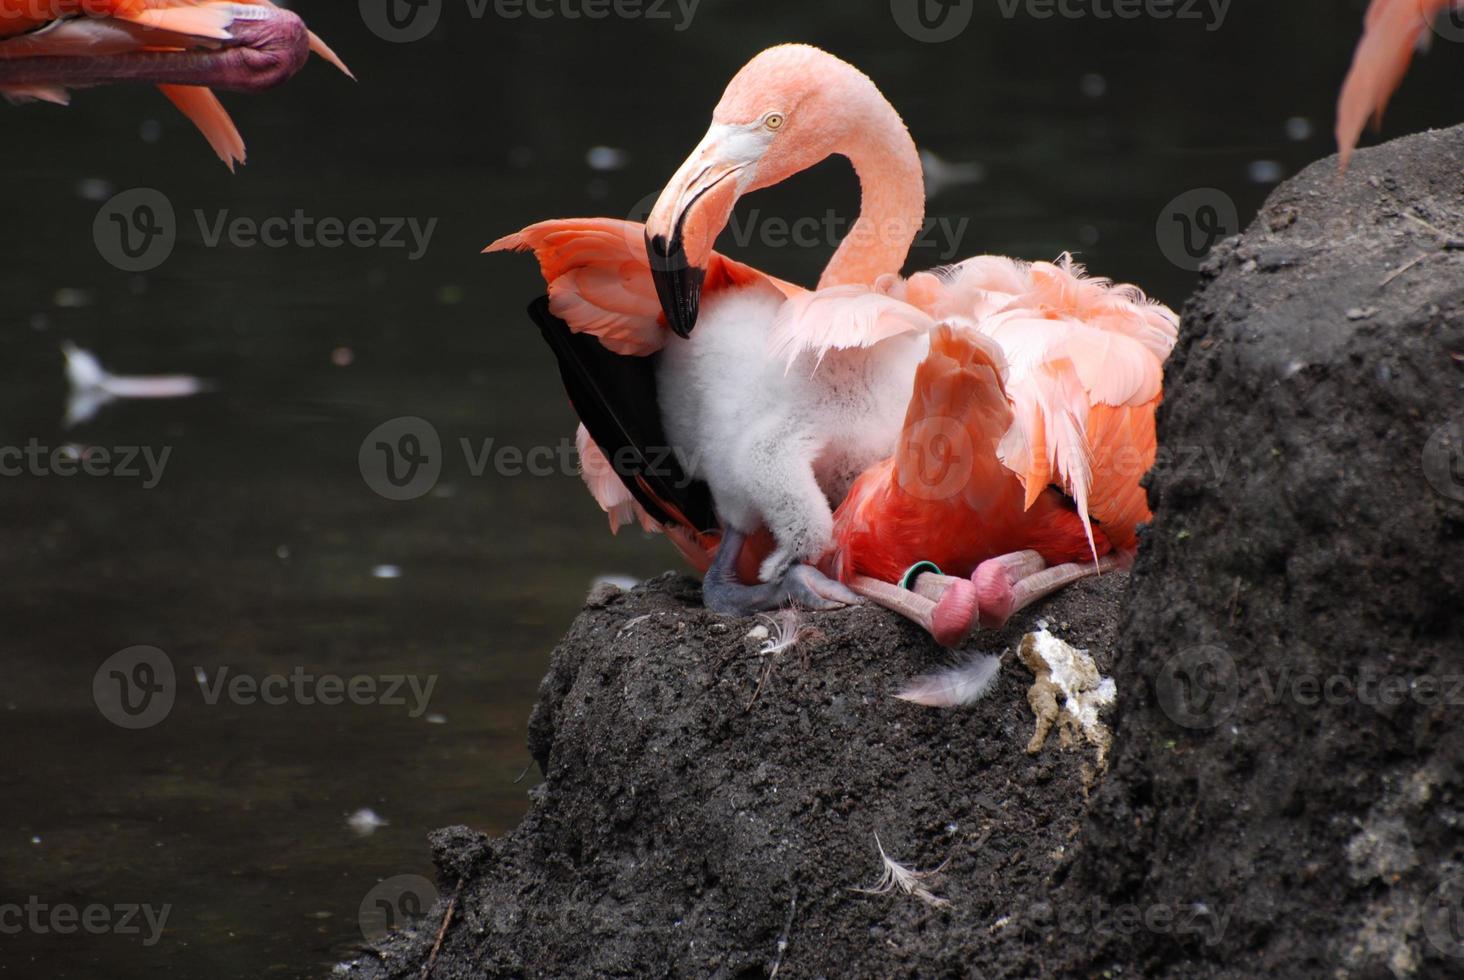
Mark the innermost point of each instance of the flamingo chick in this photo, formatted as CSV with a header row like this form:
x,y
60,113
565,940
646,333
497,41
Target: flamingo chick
x,y
185,47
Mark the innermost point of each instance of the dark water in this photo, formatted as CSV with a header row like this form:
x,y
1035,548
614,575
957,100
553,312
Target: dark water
x,y
260,548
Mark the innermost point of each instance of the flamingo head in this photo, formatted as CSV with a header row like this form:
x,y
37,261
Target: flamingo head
x,y
787,109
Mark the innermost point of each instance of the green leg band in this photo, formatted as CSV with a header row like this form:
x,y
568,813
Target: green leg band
x,y
916,570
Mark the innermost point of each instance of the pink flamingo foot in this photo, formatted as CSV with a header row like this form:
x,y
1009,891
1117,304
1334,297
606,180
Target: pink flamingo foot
x,y
945,607
1010,583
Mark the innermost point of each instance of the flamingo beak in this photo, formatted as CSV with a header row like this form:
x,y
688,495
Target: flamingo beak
x,y
683,226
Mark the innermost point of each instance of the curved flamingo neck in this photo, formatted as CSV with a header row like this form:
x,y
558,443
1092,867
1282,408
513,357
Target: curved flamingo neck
x,y
892,196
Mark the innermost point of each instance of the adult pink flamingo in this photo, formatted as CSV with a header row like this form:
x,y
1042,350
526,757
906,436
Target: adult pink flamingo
x,y
1394,30
185,47
1026,379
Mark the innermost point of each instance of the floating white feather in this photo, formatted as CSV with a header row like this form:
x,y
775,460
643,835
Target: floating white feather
x,y
957,686
784,631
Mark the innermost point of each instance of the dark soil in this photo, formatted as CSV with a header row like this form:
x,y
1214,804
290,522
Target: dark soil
x,y
706,809
1321,553
688,822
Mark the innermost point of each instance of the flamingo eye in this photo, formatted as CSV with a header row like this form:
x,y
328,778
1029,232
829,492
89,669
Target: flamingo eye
x,y
773,121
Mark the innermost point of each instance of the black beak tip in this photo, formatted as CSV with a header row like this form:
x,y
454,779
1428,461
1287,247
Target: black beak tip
x,y
678,284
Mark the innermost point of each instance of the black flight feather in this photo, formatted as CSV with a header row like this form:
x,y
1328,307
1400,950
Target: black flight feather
x,y
615,397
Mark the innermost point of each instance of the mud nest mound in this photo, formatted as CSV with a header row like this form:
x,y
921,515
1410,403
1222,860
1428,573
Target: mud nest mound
x,y
1285,794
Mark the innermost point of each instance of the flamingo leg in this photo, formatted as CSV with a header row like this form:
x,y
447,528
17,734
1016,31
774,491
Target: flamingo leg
x,y
1010,583
949,608
264,49
802,585
943,606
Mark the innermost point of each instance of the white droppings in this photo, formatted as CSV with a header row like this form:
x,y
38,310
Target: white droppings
x,y
1064,672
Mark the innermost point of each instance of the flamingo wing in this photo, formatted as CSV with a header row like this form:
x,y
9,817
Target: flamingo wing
x,y
944,496
1393,30
844,317
1084,375
600,282
605,485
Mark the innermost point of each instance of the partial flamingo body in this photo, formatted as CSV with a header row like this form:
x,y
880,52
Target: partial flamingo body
x,y
1394,29
185,47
